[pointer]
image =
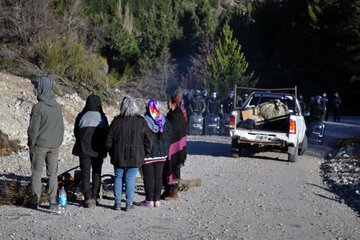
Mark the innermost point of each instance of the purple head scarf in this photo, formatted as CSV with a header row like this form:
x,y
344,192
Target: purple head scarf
x,y
153,110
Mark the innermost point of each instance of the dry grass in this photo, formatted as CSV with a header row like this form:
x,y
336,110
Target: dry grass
x,y
7,147
17,192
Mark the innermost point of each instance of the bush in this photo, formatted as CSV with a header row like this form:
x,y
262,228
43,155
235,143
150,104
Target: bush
x,y
5,63
68,58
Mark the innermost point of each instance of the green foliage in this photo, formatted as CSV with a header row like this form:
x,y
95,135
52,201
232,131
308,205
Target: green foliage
x,y
66,57
100,11
60,6
207,22
5,63
122,41
158,27
214,3
228,65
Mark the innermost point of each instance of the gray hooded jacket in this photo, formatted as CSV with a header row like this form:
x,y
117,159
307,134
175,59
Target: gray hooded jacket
x,y
46,127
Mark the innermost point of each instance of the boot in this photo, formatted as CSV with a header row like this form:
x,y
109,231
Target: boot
x,y
166,193
173,194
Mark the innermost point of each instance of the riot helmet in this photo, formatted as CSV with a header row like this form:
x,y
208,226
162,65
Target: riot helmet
x,y
213,95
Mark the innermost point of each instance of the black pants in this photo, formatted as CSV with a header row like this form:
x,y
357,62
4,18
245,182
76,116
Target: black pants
x,y
153,180
86,164
336,115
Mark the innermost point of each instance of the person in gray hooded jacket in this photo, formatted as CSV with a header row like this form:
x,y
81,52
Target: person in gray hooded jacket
x,y
45,135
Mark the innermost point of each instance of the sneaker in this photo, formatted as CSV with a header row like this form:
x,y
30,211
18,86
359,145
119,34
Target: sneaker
x,y
90,203
156,203
117,206
129,207
147,203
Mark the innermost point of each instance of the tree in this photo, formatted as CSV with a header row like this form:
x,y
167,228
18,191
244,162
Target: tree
x,y
228,65
158,27
22,21
158,78
196,73
206,20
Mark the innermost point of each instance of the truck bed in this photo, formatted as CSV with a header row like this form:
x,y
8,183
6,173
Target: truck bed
x,y
279,124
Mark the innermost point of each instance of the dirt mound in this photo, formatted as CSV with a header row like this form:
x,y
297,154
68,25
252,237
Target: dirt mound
x,y
7,147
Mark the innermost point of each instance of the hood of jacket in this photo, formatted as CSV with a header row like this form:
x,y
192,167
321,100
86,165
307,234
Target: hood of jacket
x,y
93,103
48,99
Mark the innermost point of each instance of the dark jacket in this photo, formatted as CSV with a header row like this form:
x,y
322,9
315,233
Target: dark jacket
x,y
128,141
228,105
160,143
336,103
317,111
177,152
46,127
90,130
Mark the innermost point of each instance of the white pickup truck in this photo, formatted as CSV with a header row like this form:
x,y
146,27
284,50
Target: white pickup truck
x,y
283,134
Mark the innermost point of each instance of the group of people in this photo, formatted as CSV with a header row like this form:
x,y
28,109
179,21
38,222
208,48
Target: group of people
x,y
319,107
201,103
153,142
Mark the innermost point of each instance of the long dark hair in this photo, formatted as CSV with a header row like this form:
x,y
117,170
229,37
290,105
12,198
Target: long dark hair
x,y
172,99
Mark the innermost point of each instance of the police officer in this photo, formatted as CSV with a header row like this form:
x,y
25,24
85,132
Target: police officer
x,y
324,102
214,105
197,103
317,110
229,102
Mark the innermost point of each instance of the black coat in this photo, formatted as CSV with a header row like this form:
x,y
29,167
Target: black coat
x,y
128,141
90,130
178,150
160,146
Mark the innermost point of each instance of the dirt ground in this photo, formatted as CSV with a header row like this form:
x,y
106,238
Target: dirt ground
x,y
257,197
262,197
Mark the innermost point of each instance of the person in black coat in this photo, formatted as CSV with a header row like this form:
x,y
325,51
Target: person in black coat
x,y
161,135
177,152
128,142
90,130
336,107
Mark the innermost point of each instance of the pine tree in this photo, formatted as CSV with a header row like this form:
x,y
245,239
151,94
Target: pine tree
x,y
228,65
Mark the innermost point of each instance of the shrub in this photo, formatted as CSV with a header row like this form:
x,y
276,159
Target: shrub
x,y
68,58
5,63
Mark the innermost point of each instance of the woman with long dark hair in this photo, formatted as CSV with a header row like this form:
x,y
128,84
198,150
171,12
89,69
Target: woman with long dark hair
x,y
177,152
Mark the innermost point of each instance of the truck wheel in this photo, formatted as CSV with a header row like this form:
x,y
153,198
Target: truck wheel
x,y
303,146
293,157
235,148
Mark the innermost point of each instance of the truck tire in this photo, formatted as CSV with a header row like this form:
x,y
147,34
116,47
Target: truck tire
x,y
235,148
303,146
293,157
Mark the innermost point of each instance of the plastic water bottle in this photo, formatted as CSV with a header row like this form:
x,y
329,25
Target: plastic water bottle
x,y
62,202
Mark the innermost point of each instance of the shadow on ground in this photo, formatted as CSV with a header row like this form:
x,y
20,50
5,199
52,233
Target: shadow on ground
x,y
344,194
208,148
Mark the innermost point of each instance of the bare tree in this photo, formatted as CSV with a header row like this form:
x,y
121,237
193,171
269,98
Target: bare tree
x,y
72,15
23,20
158,78
195,76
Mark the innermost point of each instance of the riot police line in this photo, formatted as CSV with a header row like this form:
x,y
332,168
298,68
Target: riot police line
x,y
207,115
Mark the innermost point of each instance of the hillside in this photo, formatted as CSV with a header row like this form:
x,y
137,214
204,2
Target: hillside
x,y
17,100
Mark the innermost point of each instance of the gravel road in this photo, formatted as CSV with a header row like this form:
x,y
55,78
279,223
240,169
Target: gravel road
x,y
259,197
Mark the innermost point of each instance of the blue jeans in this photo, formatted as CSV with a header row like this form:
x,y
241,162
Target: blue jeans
x,y
129,175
